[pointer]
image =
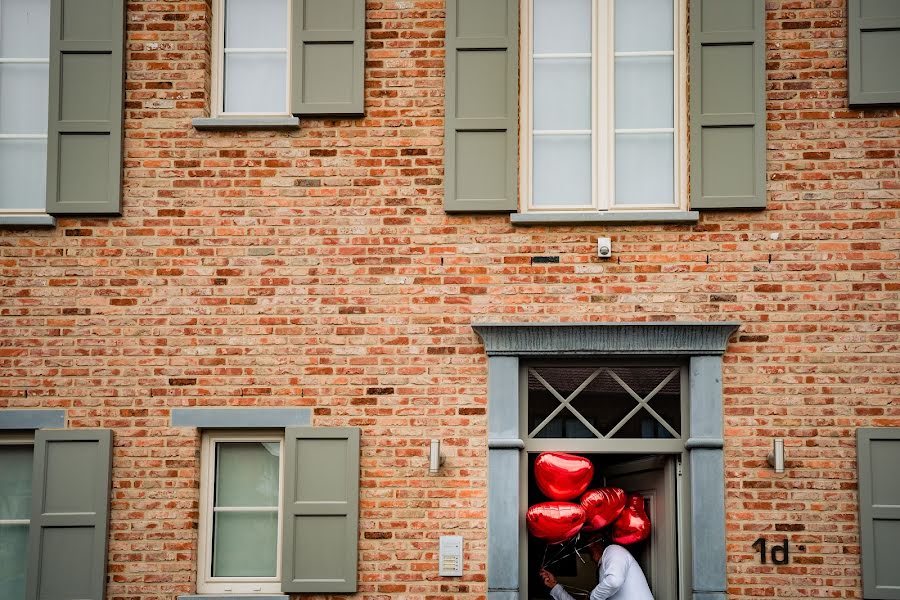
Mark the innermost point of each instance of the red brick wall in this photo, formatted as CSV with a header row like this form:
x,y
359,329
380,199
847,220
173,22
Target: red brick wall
x,y
317,268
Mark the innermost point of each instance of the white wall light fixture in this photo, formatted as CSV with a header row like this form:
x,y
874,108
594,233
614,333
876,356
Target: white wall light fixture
x,y
776,456
435,460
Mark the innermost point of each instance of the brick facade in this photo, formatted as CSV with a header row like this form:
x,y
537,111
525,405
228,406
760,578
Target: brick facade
x,y
317,268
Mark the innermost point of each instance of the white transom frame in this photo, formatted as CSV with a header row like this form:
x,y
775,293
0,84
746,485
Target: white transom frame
x,y
641,402
603,132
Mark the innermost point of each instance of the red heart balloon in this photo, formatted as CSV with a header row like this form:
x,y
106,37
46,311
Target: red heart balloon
x,y
602,506
562,476
633,525
555,522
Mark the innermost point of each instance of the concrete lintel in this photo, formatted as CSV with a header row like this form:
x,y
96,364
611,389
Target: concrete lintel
x,y
240,418
568,339
32,419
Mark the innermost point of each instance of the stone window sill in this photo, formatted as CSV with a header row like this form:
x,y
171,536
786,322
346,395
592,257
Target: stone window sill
x,y
634,216
238,123
26,219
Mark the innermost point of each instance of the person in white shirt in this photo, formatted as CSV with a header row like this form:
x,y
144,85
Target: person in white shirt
x,y
620,576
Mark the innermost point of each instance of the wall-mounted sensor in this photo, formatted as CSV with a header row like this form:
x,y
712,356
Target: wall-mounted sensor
x,y
604,247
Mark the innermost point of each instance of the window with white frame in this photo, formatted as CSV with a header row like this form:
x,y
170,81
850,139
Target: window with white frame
x,y
16,457
603,105
251,58
24,81
240,513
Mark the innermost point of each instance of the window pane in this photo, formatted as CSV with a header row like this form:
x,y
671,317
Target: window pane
x,y
247,473
256,23
23,98
256,83
23,174
15,481
25,28
245,544
562,26
645,168
644,25
562,170
645,92
562,93
13,546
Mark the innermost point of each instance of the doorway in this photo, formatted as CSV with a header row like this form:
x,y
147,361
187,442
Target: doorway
x,y
627,420
655,478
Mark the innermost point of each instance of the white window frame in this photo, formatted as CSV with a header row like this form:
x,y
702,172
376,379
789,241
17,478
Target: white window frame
x,y
27,136
602,120
218,64
206,583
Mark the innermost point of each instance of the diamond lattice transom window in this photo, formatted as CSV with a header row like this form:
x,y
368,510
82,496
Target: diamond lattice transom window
x,y
605,402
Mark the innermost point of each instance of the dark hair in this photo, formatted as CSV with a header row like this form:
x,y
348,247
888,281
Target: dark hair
x,y
601,538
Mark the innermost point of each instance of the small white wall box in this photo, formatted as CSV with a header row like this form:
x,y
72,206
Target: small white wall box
x,y
451,556
604,247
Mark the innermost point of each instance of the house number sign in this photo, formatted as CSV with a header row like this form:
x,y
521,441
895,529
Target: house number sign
x,y
780,554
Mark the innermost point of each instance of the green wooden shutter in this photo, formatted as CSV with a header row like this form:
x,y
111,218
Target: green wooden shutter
x,y
728,112
84,133
873,51
328,57
67,541
481,106
321,510
878,454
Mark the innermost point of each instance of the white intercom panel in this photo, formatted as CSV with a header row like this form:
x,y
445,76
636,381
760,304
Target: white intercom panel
x,y
451,556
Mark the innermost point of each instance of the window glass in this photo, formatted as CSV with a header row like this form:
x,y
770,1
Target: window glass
x,y
645,92
644,25
255,82
25,28
604,402
255,23
23,173
245,509
254,46
645,166
562,26
244,544
562,170
602,101
15,511
24,82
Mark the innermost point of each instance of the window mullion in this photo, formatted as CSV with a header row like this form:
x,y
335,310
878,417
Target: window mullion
x,y
603,104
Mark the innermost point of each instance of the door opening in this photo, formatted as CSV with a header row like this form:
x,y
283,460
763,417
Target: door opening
x,y
655,479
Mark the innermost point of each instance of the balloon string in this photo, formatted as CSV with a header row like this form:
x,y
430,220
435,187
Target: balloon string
x,y
556,560
562,548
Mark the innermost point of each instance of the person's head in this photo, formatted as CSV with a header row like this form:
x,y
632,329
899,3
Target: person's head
x,y
597,545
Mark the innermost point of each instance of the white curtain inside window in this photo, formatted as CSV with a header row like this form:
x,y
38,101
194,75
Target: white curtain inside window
x,y
255,56
644,100
245,521
24,81
561,103
15,510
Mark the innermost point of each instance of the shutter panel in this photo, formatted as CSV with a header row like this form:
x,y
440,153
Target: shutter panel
x,y
321,510
878,454
84,132
728,110
67,541
481,106
873,48
328,57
